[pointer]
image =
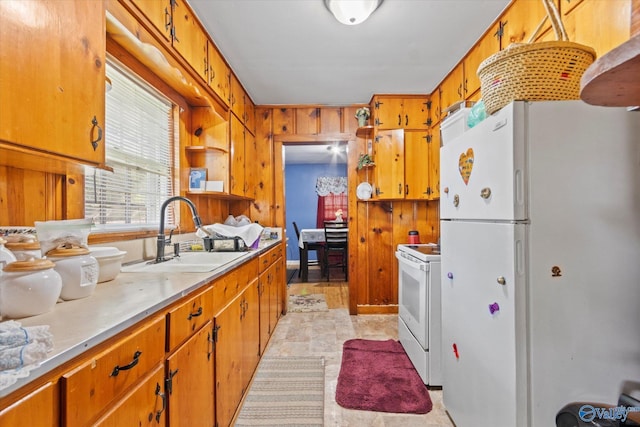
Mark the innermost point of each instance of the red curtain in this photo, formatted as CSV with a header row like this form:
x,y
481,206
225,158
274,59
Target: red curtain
x,y
328,206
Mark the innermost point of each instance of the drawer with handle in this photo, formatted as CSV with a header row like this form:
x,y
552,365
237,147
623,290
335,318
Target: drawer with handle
x,y
188,317
90,388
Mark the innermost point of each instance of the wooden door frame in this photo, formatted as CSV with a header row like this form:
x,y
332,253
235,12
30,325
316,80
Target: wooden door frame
x,y
279,141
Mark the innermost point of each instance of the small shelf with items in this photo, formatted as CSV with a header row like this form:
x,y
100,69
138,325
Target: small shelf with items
x,y
365,132
217,194
365,160
201,149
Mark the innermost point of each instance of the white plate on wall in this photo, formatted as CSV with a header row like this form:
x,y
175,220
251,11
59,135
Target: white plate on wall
x,y
364,191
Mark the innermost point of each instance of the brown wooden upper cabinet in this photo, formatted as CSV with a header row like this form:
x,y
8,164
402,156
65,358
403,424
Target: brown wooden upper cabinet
x,y
159,13
451,90
403,165
218,73
596,23
241,105
237,183
177,22
189,39
486,46
519,22
388,154
44,104
400,111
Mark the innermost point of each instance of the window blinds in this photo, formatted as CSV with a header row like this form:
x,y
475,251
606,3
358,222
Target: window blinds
x,y
139,144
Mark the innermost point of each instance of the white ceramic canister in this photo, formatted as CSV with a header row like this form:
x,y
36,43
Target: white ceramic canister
x,y
24,250
29,288
6,256
78,269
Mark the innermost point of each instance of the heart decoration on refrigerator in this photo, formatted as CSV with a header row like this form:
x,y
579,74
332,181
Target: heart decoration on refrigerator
x,y
465,165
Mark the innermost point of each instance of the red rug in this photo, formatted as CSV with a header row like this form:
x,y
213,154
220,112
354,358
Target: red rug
x,y
378,376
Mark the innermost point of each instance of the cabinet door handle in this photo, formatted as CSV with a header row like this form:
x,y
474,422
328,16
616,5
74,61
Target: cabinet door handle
x,y
134,362
167,19
94,142
399,120
196,314
163,396
406,189
406,120
400,188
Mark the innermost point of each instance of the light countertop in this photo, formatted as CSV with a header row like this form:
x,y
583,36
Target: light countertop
x,y
79,325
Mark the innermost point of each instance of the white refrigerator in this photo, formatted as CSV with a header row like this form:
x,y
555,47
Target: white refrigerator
x,y
540,239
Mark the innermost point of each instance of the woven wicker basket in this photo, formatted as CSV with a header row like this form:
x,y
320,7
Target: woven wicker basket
x,y
535,71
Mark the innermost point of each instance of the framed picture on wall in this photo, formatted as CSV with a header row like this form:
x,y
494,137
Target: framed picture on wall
x,y
197,178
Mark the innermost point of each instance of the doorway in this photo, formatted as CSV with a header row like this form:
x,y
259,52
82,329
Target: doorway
x,y
303,165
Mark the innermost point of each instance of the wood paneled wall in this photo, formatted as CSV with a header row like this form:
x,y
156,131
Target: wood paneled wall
x,y
377,227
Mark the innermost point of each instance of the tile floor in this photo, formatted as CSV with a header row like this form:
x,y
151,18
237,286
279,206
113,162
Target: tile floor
x,y
322,334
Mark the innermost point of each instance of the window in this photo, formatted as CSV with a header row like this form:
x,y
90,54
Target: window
x,y
140,148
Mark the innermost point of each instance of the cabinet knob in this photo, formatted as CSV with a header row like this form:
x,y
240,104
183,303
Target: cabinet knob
x,y
501,280
456,200
485,193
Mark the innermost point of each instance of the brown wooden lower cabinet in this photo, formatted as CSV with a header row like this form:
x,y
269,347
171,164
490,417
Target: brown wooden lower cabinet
x,y
37,409
144,406
189,381
237,347
99,381
270,288
228,361
189,365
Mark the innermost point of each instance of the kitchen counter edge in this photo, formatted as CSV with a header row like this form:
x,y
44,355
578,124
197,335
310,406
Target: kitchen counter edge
x,y
80,325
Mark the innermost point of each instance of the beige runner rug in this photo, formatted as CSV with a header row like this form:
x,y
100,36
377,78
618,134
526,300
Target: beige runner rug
x,y
286,391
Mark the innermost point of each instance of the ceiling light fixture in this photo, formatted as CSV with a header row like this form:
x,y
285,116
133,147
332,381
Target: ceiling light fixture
x,y
352,12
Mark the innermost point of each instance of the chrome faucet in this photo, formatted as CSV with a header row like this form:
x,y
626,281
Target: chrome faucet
x,y
162,240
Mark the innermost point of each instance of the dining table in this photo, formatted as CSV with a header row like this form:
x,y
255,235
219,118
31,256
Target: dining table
x,y
308,235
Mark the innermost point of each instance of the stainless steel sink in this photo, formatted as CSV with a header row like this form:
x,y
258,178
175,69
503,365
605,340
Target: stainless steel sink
x,y
187,262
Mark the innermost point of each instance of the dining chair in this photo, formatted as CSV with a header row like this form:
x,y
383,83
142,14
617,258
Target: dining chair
x,y
336,236
312,246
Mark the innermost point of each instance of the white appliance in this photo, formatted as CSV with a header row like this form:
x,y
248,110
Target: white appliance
x,y
540,240
419,323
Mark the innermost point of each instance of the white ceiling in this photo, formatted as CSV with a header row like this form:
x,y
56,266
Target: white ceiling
x,y
295,52
304,154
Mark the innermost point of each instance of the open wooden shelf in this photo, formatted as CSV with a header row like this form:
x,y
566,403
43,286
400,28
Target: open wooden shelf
x,y
218,195
365,132
203,149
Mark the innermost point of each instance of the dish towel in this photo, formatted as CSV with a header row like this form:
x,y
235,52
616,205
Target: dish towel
x,y
249,233
21,350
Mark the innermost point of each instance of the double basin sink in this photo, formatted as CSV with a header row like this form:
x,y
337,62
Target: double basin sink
x,y
187,262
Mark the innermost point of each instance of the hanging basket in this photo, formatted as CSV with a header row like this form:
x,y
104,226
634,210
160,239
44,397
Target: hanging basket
x,y
541,71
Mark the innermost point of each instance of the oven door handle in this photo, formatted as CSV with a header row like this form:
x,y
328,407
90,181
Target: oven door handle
x,y
424,266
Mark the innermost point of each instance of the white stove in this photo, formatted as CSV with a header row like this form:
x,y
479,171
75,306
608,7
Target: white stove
x,y
419,314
